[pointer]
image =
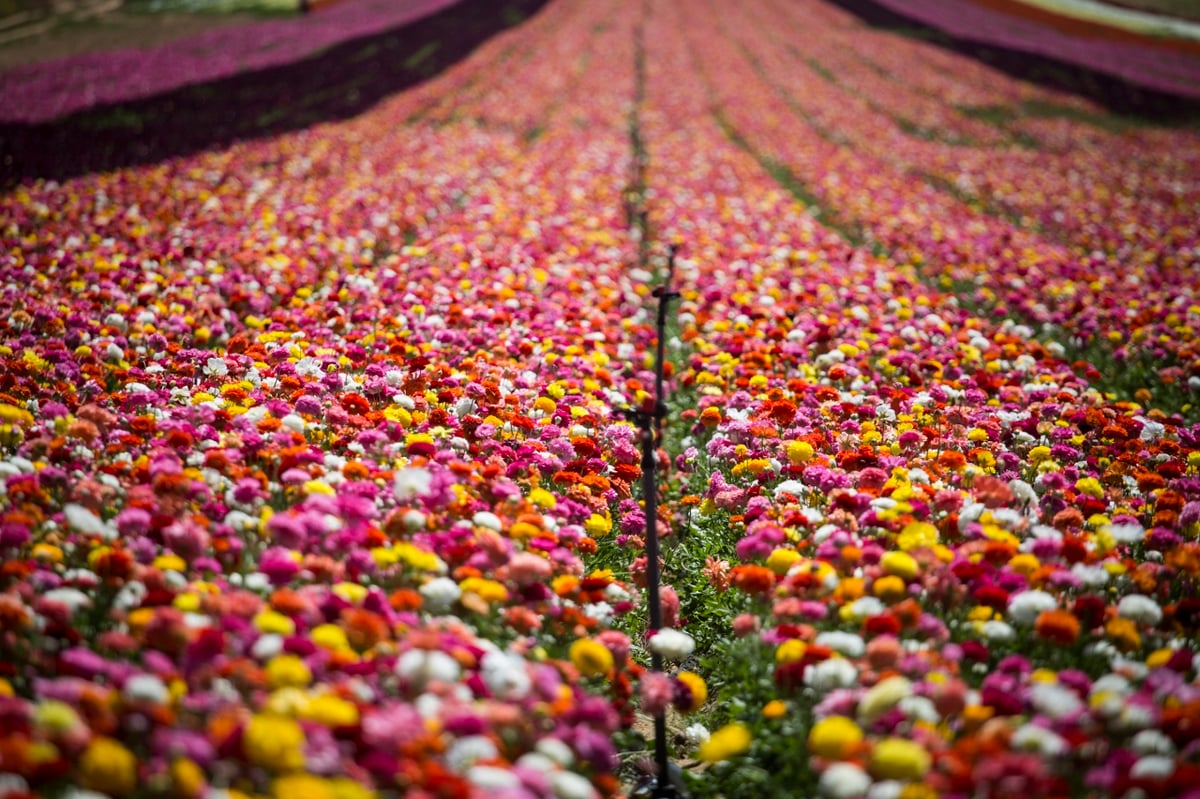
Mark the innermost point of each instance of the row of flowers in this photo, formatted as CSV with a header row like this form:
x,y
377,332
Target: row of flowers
x,y
1107,282
44,90
316,480
949,566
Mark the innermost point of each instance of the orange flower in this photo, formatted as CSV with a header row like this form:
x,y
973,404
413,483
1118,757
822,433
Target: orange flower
x,y
1057,626
954,461
364,628
752,579
1124,634
405,599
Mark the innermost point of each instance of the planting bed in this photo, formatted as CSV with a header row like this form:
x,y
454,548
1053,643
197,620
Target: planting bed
x,y
317,476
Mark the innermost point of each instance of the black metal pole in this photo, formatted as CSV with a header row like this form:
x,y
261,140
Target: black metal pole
x,y
651,426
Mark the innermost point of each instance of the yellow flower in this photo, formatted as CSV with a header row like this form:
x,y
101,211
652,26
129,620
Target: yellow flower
x,y
354,593
1024,564
543,499
800,452
917,535
331,637
790,651
899,759
10,414
598,526
889,588
834,737
1038,454
187,778
697,687
1090,486
487,590
56,718
901,564
48,552
591,657
108,767
330,710
270,621
302,786
170,563
275,743
1159,658
346,788
729,741
288,671
752,466
782,559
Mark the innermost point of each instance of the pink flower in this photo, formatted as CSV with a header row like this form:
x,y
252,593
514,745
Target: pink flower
x,y
656,691
744,625
526,568
668,600
617,643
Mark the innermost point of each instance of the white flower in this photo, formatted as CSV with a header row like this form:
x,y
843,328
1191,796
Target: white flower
x,y
556,750
843,781
423,666
882,697
440,594
920,708
73,598
696,734
294,422
130,595
492,778
569,785
267,646
146,688
830,674
1054,700
464,407
885,789
866,606
505,676
672,644
600,611
1091,576
467,751
536,761
849,644
1031,738
412,482
996,630
616,593
1139,608
83,520
1154,767
1152,742
1132,533
1134,717
793,487
969,513
488,520
1110,683
216,367
1024,608
12,783
1151,430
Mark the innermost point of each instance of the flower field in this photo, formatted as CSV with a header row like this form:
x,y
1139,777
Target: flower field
x,y
318,479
